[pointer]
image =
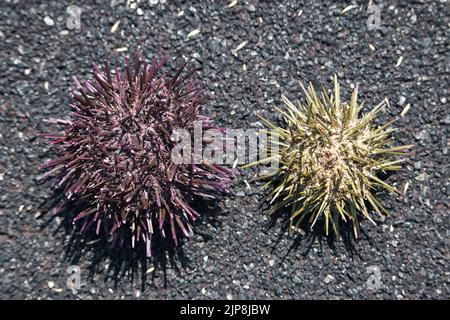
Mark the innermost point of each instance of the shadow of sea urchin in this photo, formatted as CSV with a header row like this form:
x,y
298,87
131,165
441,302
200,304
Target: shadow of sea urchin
x,y
329,157
115,154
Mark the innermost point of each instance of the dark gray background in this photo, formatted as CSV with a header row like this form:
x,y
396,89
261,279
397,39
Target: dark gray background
x,y
233,254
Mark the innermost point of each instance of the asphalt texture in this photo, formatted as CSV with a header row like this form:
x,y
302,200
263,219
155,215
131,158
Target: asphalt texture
x,y
249,53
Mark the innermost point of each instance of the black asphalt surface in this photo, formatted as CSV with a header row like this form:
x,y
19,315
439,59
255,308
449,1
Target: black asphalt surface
x,y
249,54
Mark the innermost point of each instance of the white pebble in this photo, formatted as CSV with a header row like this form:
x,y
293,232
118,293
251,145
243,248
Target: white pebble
x,y
232,3
49,21
405,110
421,177
193,33
348,8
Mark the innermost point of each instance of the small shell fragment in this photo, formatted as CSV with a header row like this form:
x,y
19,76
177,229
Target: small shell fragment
x,y
115,26
235,163
371,47
232,4
399,62
405,188
348,8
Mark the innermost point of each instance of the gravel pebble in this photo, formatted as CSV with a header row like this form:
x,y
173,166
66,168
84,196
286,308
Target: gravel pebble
x,y
284,42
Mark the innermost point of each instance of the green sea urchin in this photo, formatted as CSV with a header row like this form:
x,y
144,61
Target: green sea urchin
x,y
329,156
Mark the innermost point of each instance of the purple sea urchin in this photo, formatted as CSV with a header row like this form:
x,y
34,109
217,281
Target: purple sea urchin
x,y
115,153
